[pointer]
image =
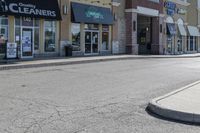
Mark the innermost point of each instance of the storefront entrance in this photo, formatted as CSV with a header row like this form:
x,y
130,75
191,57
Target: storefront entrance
x,y
144,34
91,42
27,44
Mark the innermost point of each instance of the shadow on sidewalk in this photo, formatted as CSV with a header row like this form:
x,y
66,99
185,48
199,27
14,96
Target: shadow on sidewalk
x,y
170,120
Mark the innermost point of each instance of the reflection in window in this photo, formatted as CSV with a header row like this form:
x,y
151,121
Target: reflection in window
x,y
75,29
3,33
91,26
36,39
50,36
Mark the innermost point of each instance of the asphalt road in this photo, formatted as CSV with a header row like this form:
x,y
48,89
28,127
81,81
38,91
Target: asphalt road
x,y
105,97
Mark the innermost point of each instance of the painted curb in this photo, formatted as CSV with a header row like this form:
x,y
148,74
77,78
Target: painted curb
x,y
21,66
168,113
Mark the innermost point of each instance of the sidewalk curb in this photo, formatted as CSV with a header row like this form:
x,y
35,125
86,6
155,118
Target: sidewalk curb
x,y
112,58
162,111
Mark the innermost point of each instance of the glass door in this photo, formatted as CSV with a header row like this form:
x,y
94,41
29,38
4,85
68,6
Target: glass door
x,y
91,42
27,43
88,42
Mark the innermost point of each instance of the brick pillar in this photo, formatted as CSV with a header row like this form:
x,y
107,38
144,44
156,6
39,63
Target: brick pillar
x,y
131,34
155,36
161,35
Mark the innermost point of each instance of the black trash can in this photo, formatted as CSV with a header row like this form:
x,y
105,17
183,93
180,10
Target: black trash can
x,y
68,50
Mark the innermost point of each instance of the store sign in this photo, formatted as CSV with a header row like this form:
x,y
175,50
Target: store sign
x,y
93,13
35,8
11,50
170,8
83,13
181,11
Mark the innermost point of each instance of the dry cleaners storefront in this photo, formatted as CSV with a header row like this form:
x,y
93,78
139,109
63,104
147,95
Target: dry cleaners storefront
x,y
31,26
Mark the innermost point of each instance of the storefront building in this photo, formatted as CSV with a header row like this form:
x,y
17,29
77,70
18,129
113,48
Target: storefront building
x,y
31,25
144,24
176,30
87,25
193,44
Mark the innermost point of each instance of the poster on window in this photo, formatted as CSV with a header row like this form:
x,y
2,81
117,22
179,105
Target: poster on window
x,y
26,41
11,50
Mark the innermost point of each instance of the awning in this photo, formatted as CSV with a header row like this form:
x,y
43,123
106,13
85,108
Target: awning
x,y
47,9
193,31
147,11
171,29
82,13
182,30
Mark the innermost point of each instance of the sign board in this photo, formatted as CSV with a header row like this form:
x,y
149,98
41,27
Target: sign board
x,y
47,9
91,14
170,8
11,50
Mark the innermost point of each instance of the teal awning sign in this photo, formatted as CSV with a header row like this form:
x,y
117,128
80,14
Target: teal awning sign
x,y
82,13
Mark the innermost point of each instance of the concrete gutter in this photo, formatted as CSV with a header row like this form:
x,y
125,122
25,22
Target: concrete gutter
x,y
7,65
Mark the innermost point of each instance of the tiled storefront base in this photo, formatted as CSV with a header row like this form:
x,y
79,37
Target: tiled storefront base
x,y
46,55
105,52
77,53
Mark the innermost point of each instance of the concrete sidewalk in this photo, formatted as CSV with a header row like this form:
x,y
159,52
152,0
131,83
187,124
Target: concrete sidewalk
x,y
18,64
181,105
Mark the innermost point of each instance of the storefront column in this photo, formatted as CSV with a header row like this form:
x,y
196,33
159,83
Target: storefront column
x,y
175,41
131,33
110,38
161,35
100,38
184,44
41,47
57,37
11,32
134,35
198,45
155,36
82,41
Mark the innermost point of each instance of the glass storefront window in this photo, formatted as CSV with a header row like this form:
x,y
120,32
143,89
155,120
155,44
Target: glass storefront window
x,y
169,44
76,30
188,44
91,26
37,23
4,27
50,36
17,21
36,38
3,34
192,43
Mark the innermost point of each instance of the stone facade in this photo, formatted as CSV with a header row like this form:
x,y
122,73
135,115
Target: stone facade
x,y
131,14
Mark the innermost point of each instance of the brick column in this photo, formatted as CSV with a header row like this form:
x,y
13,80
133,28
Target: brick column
x,y
155,36
161,36
131,34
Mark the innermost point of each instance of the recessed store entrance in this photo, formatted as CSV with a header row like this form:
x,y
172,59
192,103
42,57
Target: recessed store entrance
x,y
144,28
27,43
